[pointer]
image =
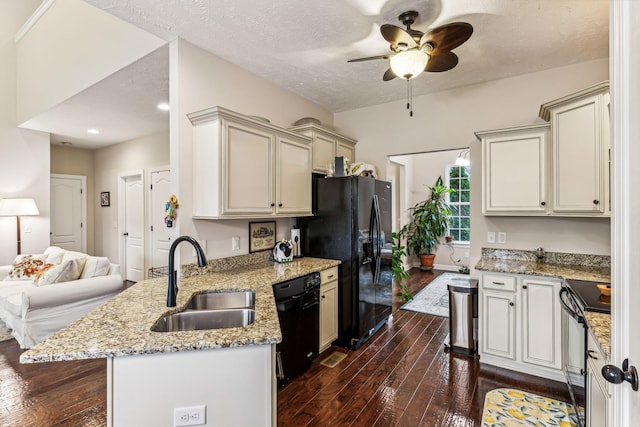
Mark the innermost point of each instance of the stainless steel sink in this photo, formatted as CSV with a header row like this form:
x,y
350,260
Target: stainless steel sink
x,y
205,319
222,300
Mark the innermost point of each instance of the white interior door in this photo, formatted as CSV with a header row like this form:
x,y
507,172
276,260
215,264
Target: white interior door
x,y
161,235
625,110
68,207
134,228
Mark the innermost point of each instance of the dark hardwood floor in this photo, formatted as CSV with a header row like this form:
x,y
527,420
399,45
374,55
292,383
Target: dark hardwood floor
x,y
402,376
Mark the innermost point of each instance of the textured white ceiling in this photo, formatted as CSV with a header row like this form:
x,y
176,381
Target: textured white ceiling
x,y
304,45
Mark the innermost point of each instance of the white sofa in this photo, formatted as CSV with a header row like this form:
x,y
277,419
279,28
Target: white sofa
x,y
34,312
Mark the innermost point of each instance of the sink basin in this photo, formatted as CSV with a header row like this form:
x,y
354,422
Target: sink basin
x,y
205,319
222,300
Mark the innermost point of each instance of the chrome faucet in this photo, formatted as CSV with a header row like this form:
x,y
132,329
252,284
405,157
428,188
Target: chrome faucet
x,y
172,291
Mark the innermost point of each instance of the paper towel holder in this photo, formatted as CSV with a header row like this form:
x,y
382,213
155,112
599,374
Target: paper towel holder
x,y
295,240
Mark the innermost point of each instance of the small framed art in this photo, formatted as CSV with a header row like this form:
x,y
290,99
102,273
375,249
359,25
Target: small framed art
x,y
105,199
262,236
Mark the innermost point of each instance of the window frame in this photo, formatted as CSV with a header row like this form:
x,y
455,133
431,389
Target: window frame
x,y
456,210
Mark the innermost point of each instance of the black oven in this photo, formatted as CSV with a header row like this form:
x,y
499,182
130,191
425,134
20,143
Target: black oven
x,y
576,297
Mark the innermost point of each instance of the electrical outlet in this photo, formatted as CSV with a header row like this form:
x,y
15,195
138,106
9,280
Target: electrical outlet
x,y
235,243
190,416
491,237
502,237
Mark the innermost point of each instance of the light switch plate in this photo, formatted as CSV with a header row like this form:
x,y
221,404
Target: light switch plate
x,y
491,237
502,237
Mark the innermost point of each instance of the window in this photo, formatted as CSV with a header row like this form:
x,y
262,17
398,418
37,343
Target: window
x,y
458,180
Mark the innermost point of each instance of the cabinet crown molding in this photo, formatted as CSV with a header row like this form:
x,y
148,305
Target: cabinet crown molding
x,y
546,108
483,133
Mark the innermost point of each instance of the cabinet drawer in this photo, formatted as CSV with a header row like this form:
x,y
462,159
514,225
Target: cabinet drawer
x,y
328,275
499,282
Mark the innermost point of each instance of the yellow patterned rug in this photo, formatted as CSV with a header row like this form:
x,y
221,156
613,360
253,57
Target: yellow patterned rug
x,y
508,407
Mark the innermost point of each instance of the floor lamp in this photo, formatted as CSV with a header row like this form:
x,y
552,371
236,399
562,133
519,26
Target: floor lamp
x,y
18,207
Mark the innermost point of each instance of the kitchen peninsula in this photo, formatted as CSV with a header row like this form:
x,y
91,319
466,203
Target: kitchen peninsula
x,y
231,371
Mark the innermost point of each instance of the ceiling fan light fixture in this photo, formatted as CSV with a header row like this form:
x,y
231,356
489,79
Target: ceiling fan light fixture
x,y
409,64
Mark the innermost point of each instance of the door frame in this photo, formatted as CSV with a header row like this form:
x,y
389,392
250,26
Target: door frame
x,y
149,220
122,179
83,198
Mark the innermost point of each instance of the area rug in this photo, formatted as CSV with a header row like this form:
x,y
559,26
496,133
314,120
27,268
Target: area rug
x,y
5,333
434,298
508,407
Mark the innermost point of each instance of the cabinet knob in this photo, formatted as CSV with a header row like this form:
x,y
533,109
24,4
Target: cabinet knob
x,y
273,204
324,296
511,303
596,202
524,286
543,203
279,205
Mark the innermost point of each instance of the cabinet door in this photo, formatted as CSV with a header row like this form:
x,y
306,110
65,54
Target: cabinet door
x,y
541,323
247,171
497,323
346,150
323,152
596,399
294,178
514,170
328,314
578,156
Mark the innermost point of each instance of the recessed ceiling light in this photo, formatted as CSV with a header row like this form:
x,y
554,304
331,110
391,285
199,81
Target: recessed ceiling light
x,y
164,106
93,131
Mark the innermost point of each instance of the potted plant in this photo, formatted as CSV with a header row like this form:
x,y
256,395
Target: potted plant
x,y
428,224
400,275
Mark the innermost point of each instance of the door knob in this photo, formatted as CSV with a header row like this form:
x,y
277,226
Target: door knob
x,y
615,375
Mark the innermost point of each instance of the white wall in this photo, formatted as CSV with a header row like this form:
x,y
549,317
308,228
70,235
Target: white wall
x,y
71,47
24,163
449,119
139,154
199,80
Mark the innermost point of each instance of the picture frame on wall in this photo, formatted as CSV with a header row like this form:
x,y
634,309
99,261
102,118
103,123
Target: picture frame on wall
x,y
105,199
262,236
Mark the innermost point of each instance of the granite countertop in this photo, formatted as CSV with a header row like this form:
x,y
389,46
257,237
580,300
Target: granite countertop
x,y
576,272
122,326
600,326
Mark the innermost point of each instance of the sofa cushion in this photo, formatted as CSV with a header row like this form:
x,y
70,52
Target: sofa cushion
x,y
54,255
25,267
95,266
79,257
65,272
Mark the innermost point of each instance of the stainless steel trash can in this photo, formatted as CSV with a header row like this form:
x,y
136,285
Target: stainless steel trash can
x,y
463,315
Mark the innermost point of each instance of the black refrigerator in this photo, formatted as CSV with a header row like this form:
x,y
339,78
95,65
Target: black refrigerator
x,y
352,223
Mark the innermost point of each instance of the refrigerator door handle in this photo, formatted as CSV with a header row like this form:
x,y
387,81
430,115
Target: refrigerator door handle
x,y
377,240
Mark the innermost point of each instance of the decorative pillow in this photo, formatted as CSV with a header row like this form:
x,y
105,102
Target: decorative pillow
x,y
54,255
25,267
67,271
41,272
95,267
80,258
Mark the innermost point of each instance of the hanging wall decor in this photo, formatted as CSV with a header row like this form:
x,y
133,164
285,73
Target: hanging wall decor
x,y
170,210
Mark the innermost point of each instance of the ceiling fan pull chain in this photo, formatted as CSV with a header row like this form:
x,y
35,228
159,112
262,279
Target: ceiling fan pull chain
x,y
410,98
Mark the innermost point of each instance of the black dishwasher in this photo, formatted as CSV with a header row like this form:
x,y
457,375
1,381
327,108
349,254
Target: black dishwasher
x,y
298,303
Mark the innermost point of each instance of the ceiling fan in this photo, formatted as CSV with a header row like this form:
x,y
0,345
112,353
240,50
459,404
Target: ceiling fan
x,y
413,51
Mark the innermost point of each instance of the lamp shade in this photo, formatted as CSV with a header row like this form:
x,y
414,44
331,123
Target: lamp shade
x,y
463,158
409,64
18,207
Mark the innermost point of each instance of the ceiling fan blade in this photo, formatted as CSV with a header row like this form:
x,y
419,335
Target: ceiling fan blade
x,y
370,58
396,35
447,37
388,75
443,61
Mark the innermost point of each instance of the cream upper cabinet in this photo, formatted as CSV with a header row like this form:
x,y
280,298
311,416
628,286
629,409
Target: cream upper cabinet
x,y
514,170
245,168
327,145
580,151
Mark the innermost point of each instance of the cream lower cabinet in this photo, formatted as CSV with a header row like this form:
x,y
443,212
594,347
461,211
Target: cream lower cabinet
x,y
328,307
327,145
514,170
520,324
597,388
245,168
